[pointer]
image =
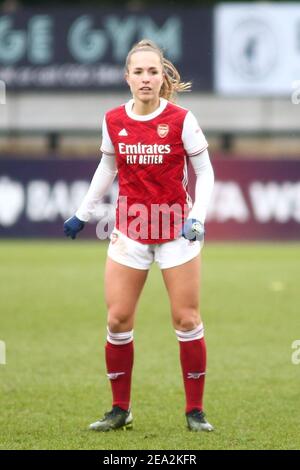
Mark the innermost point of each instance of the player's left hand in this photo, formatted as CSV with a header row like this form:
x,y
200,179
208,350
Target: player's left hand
x,y
193,230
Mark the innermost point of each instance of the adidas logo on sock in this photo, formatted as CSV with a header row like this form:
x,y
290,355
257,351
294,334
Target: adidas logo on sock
x,y
115,375
123,132
195,375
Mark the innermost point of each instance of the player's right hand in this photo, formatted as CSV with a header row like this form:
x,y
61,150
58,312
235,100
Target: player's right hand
x,y
72,226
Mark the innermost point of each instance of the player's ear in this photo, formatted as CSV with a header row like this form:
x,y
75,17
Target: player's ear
x,y
126,76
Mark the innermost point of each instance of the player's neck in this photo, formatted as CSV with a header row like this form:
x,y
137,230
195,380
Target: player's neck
x,y
143,108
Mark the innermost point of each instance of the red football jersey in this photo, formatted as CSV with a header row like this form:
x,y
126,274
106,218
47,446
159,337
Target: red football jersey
x,y
151,153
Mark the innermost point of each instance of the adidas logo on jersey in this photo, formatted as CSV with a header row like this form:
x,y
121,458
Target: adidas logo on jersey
x,y
123,132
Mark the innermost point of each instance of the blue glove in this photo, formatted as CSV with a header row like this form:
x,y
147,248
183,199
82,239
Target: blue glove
x,y
72,226
193,230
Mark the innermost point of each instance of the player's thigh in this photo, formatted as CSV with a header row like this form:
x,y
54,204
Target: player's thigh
x,y
183,286
123,286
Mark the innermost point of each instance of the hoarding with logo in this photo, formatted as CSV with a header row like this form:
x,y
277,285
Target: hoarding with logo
x,y
256,48
252,200
86,49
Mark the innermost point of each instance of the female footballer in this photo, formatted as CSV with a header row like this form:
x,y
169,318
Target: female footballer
x,y
148,141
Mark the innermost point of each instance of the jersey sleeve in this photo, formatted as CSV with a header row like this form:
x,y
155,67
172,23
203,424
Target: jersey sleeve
x,y
204,185
101,182
107,145
193,139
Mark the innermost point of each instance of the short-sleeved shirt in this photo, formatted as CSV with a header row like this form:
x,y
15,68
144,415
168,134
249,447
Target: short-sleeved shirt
x,y
151,154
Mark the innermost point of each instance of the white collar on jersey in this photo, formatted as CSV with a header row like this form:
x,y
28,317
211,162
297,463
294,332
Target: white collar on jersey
x,y
145,117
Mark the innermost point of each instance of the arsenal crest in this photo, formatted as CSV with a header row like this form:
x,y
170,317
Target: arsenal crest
x,y
162,130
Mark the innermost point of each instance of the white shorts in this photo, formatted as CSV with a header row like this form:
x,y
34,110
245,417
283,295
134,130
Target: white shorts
x,y
138,255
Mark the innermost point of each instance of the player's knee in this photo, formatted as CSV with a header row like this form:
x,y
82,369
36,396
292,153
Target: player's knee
x,y
118,321
186,319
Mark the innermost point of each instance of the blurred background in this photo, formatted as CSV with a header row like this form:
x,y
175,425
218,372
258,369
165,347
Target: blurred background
x,y
61,69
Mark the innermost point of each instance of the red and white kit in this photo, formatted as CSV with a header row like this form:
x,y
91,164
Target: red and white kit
x,y
151,156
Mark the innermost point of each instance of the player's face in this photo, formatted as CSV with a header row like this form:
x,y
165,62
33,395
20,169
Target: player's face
x,y
145,76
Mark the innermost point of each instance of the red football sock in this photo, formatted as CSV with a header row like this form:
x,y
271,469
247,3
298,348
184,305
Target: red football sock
x,y
119,363
193,365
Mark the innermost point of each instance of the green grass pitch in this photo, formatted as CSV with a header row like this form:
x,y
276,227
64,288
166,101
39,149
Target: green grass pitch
x,y
53,322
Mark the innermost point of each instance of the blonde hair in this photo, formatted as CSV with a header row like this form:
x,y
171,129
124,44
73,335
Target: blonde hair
x,y
172,83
